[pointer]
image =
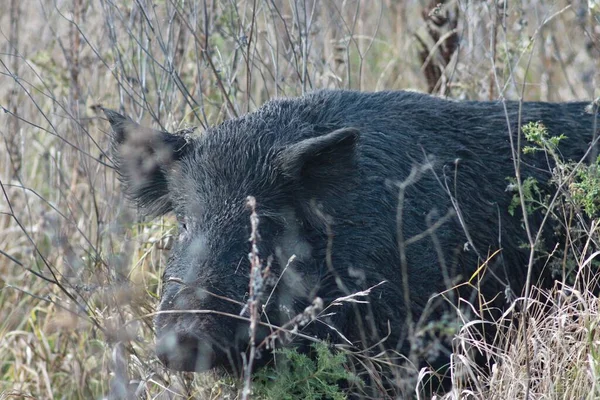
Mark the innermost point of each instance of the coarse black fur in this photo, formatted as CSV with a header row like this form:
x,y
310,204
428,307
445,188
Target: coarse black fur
x,y
328,171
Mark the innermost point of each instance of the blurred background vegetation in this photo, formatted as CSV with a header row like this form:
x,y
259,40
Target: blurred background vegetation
x,y
79,273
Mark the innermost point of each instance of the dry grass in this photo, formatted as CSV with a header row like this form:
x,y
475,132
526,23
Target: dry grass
x,y
562,339
79,274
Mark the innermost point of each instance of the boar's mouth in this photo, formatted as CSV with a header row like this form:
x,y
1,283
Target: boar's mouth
x,y
185,353
206,344
194,353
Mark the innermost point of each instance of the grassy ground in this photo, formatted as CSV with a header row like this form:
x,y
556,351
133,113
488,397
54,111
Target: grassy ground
x,y
79,274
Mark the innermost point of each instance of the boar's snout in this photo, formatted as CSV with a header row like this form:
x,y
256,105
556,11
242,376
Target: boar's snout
x,y
185,352
190,340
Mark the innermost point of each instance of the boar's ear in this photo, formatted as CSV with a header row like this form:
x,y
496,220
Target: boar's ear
x,y
143,158
324,162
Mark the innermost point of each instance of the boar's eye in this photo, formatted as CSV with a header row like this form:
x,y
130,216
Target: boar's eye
x,y
182,221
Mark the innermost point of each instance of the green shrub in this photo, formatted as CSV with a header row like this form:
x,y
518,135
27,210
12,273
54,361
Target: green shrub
x,y
297,376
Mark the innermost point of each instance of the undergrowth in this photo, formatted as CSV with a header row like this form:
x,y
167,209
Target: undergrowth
x,y
299,376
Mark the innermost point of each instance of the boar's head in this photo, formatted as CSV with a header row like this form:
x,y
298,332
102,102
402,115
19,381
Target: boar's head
x,y
205,181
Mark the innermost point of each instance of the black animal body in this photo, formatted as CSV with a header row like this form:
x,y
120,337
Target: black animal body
x,y
397,191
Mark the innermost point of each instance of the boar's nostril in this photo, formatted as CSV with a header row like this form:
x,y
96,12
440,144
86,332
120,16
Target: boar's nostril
x,y
183,352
